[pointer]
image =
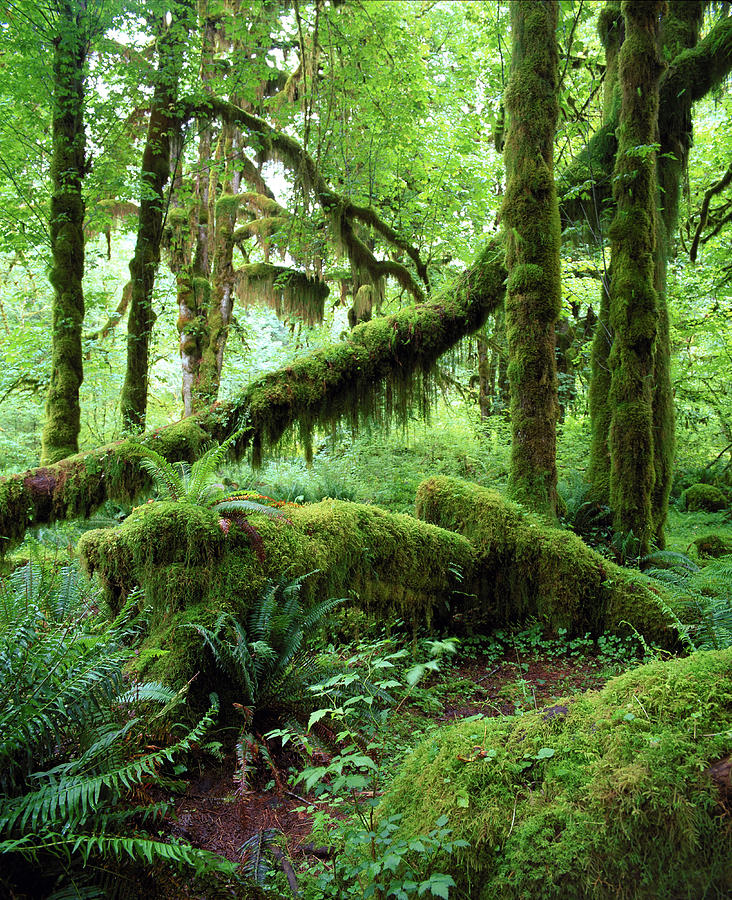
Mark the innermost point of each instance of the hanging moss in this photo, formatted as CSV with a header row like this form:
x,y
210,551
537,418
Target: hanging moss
x,y
618,793
527,568
530,217
291,294
191,570
62,421
363,304
351,379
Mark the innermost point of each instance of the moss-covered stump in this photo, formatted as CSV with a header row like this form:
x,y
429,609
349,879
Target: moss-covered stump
x,y
612,794
527,568
704,497
192,569
712,546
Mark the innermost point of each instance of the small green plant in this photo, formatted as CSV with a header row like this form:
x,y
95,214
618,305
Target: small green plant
x,y
197,485
703,594
268,665
371,858
75,740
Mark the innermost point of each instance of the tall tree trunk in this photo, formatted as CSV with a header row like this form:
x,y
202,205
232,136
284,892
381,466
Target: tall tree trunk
x,y
205,388
530,216
612,30
633,298
680,32
154,178
60,436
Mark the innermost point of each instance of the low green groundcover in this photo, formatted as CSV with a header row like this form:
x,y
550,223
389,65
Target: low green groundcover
x,y
622,792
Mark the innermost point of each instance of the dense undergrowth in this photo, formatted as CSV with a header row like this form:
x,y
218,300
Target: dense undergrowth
x,y
329,709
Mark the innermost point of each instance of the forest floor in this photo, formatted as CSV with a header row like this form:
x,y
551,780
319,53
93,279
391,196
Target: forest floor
x,y
215,815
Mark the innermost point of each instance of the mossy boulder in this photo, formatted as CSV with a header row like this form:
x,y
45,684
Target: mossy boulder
x,y
526,568
712,546
192,566
619,793
704,497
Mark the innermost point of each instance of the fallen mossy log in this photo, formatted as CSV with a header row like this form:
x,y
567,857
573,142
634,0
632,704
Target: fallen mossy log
x,y
377,371
527,568
617,793
193,566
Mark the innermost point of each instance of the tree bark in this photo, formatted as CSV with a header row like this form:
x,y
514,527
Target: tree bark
x,y
153,209
530,216
62,423
634,314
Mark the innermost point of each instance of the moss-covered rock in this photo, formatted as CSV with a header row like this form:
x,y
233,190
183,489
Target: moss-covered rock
x,y
527,568
192,569
616,793
712,546
705,497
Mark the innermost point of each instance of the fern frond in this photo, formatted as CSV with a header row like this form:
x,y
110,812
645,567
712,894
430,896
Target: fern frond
x,y
166,480
199,489
253,851
248,506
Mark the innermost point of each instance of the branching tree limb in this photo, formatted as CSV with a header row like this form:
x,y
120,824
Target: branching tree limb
x,y
713,191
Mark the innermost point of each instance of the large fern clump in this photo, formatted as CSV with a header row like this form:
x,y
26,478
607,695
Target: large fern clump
x,y
75,743
702,593
270,665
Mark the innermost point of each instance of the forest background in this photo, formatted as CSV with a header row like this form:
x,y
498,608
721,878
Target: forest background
x,y
358,244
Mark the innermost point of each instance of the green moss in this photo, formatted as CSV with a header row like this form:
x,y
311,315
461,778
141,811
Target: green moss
x,y
712,546
611,796
62,421
704,497
633,313
526,568
387,563
530,215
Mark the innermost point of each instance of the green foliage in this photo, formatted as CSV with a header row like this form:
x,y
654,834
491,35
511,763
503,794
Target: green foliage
x,y
613,798
74,737
268,665
702,594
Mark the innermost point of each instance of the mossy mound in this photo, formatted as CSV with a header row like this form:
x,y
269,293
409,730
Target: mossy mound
x,y
705,497
526,568
712,546
192,569
612,794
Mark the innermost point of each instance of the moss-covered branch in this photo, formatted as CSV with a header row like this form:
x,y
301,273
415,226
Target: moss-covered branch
x,y
359,376
277,145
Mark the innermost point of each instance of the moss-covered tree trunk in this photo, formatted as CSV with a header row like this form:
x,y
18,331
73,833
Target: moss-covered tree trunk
x,y
219,309
153,207
60,436
530,216
612,30
633,297
680,32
